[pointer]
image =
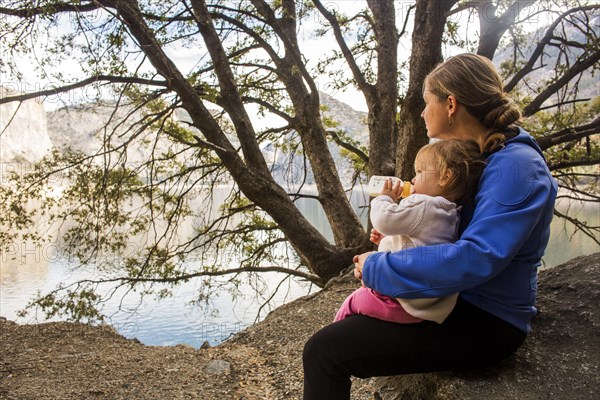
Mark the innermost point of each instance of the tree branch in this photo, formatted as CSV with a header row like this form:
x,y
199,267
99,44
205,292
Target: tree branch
x,y
348,146
576,175
462,7
541,45
49,9
581,194
362,83
577,68
231,99
562,103
254,35
184,277
63,7
285,29
492,27
569,134
578,163
406,19
591,231
270,107
202,118
85,82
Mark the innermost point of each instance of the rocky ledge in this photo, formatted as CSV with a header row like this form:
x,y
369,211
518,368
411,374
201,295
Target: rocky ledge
x,y
560,360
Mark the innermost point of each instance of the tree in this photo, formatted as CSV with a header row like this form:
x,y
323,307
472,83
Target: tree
x,y
252,55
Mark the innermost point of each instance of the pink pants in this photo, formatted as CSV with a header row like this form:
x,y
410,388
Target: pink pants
x,y
368,302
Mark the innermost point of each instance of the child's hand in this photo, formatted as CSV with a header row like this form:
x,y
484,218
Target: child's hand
x,y
359,261
375,236
394,191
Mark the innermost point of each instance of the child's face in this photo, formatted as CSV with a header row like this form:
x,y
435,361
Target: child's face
x,y
427,178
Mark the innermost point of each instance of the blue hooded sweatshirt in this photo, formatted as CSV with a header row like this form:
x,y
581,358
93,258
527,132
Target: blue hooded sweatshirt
x,y
505,232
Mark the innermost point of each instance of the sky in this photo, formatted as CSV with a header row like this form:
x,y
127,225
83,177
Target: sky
x,y
313,48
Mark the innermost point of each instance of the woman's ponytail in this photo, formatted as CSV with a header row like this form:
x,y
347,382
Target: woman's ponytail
x,y
500,115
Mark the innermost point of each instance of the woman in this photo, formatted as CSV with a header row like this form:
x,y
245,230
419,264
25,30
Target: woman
x,y
493,265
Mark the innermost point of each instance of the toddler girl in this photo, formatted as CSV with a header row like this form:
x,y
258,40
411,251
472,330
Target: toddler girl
x,y
447,174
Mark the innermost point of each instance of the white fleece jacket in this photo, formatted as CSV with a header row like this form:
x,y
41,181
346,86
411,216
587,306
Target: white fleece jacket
x,y
418,220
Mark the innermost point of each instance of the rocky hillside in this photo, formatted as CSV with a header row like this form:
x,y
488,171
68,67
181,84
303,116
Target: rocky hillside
x,y
32,133
544,70
23,130
558,361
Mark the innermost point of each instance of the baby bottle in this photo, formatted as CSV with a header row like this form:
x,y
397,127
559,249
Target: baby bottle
x,y
376,185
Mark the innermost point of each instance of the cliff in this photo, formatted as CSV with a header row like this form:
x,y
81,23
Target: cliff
x,y
23,131
72,361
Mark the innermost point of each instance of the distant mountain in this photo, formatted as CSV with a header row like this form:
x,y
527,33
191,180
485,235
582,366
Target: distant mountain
x,y
289,168
85,127
589,85
350,120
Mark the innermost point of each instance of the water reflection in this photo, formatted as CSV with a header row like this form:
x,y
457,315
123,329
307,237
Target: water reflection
x,y
564,242
170,321
17,268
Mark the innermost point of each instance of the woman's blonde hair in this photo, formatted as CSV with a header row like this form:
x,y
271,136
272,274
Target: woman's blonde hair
x,y
458,163
475,83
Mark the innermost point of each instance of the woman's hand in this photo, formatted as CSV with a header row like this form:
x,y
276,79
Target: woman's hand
x,y
359,261
394,191
376,236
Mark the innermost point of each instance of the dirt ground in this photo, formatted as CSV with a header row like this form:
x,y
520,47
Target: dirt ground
x,y
74,361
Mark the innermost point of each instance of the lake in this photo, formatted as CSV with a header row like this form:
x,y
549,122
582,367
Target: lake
x,y
175,320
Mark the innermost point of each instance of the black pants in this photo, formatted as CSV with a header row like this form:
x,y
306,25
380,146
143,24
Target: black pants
x,y
364,347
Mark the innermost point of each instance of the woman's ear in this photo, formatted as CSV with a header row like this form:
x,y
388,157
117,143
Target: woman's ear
x,y
451,104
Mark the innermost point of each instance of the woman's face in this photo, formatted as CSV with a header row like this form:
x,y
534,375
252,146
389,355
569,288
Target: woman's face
x,y
435,115
426,180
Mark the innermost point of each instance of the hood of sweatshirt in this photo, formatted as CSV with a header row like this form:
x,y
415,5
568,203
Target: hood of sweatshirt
x,y
526,138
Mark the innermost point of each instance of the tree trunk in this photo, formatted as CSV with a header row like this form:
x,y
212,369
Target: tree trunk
x,y
347,229
430,20
382,106
321,257
492,26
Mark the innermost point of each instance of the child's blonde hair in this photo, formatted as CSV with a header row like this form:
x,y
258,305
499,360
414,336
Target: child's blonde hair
x,y
458,166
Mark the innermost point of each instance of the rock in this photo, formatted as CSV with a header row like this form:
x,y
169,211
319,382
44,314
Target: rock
x,y
559,360
205,345
84,127
349,120
24,136
217,367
